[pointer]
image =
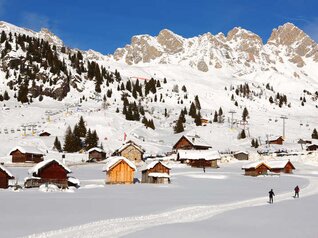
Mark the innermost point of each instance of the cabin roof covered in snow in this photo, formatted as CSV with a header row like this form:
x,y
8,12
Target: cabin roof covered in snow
x,y
27,150
112,161
277,164
241,152
35,169
196,140
131,143
96,149
254,165
153,164
159,175
199,154
6,171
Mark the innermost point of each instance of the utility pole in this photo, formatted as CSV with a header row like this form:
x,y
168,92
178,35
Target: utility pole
x,y
284,118
232,112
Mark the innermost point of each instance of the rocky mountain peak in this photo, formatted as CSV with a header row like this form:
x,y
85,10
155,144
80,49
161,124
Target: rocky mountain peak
x,y
171,42
287,35
48,36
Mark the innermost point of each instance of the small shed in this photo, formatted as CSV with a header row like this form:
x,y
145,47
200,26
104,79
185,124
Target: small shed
x,y
191,142
49,171
275,140
119,170
312,147
5,175
22,154
199,158
256,168
241,155
155,172
96,154
131,151
283,166
44,133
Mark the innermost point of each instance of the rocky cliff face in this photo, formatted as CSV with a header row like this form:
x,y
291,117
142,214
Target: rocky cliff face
x,y
240,49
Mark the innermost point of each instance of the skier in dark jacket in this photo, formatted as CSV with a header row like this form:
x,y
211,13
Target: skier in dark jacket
x,y
296,189
271,196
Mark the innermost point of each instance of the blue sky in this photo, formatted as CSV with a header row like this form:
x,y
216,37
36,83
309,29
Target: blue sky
x,y
105,25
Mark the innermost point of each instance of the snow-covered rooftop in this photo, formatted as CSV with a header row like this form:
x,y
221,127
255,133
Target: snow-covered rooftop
x,y
199,154
27,150
131,143
241,152
159,175
96,149
112,161
6,171
253,165
153,164
277,164
196,140
35,169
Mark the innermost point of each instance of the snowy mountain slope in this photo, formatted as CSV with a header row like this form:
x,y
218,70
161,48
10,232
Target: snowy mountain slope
x,y
77,92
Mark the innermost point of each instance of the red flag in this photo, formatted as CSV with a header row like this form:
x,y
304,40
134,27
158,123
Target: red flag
x,y
125,136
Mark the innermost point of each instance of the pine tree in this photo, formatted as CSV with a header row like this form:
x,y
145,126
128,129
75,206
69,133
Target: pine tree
x,y
81,127
57,145
271,100
253,143
215,119
256,143
68,140
192,111
244,114
6,96
242,134
179,126
197,119
314,134
197,102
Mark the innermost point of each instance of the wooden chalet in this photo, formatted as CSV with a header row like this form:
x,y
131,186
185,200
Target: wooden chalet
x,y
119,170
131,151
284,166
44,133
155,172
275,140
256,168
5,176
241,155
199,158
22,154
96,154
48,171
190,142
204,121
312,147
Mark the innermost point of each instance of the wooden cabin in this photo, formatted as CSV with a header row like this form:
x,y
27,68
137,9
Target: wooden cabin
x,y
131,151
119,170
276,140
155,172
22,154
189,142
312,147
255,169
96,154
241,155
204,121
48,171
284,166
44,133
5,175
199,158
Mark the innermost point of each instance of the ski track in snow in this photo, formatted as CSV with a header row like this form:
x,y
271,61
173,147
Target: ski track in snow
x,y
122,226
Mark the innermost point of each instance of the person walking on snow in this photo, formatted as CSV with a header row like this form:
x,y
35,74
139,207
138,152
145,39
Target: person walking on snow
x,y
271,196
296,189
204,168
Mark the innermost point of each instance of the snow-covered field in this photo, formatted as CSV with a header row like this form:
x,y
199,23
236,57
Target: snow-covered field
x,y
221,201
